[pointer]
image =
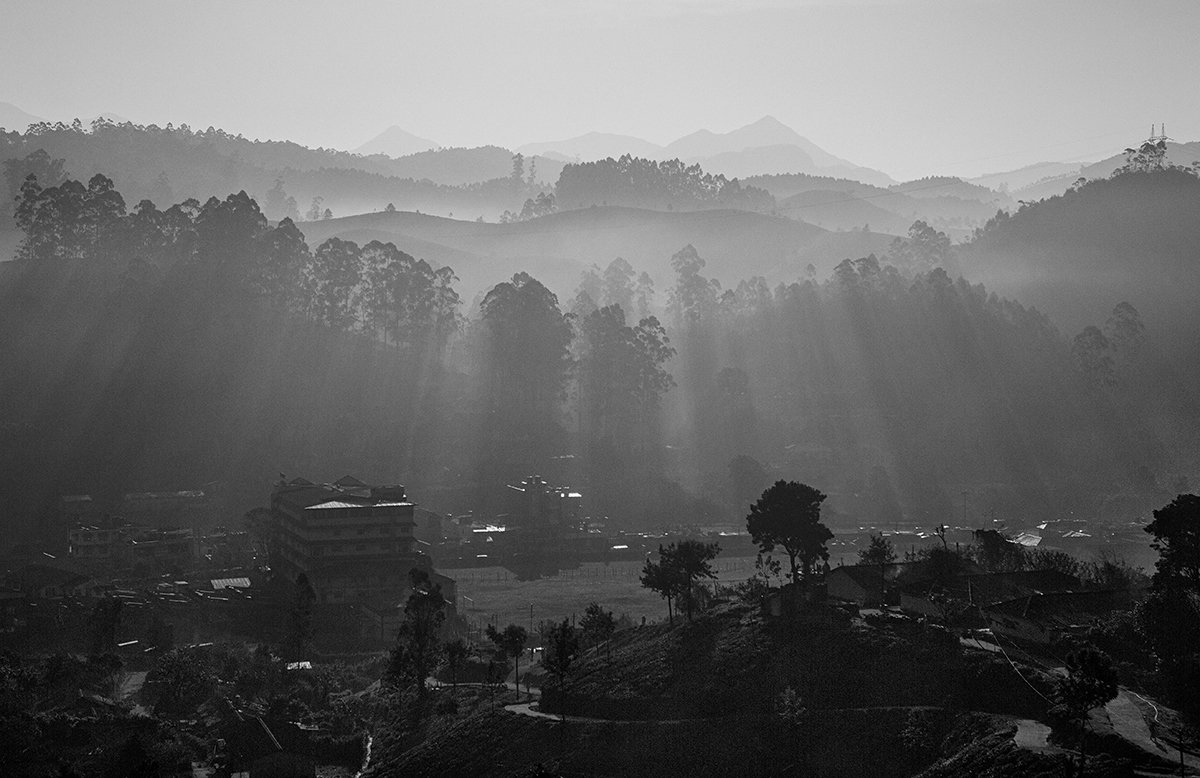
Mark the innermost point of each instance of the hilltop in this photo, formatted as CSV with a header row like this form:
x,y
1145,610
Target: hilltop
x,y
701,698
396,142
1054,181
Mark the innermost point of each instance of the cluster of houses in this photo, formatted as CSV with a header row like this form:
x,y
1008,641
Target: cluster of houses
x,y
47,603
1038,606
148,533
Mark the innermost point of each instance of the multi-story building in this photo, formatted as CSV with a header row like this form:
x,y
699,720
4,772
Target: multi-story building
x,y
534,503
354,542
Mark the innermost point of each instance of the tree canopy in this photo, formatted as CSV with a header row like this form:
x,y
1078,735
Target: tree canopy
x,y
788,515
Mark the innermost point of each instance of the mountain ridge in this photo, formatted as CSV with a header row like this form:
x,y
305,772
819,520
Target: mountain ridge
x,y
395,142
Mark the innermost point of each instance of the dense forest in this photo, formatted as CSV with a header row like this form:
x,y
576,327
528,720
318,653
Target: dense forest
x,y
201,344
643,183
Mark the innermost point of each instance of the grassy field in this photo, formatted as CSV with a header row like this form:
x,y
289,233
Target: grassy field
x,y
493,595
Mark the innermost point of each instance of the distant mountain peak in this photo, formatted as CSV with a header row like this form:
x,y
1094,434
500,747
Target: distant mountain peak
x,y
14,119
396,141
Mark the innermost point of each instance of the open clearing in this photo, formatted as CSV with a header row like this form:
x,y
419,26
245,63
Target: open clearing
x,y
493,595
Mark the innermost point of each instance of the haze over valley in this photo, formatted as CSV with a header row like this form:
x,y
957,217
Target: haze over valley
x,y
673,388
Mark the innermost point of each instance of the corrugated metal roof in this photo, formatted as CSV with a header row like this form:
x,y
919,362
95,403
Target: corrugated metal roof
x,y
230,583
330,504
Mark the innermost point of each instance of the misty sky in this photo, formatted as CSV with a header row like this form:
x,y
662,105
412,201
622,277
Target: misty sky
x,y
912,87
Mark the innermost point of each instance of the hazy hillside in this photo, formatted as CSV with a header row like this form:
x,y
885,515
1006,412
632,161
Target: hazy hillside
x,y
461,166
396,142
595,145
950,204
1132,237
1184,154
836,210
1029,174
763,147
737,244
169,164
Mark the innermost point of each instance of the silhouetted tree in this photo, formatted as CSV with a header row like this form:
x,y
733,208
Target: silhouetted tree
x,y
418,639
525,362
788,515
1176,533
879,551
511,642
48,172
693,299
1091,681
597,625
619,285
662,578
333,279
278,204
562,645
456,653
923,249
69,221
680,565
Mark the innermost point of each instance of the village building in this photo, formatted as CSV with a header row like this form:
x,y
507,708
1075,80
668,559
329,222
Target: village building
x,y
1044,617
47,582
873,585
355,543
929,597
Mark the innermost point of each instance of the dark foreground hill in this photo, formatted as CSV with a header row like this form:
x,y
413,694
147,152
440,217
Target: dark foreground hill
x,y
702,698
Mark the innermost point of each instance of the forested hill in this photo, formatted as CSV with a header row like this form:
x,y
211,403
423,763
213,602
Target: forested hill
x,y
1129,240
557,247
202,345
167,165
949,204
1131,237
1180,154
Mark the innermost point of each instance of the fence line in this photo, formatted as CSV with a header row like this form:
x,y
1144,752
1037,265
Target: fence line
x,y
591,570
